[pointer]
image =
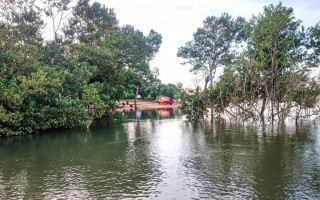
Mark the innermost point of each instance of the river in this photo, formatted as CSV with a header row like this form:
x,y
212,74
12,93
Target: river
x,y
157,154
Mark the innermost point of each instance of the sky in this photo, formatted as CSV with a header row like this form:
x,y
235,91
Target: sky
x,y
177,20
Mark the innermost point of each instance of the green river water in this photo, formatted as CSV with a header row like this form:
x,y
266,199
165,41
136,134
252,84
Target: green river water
x,y
157,154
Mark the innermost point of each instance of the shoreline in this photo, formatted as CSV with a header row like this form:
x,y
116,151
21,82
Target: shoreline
x,y
146,105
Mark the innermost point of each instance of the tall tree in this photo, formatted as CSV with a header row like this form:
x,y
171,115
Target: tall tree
x,y
121,54
277,42
212,44
139,51
273,73
33,95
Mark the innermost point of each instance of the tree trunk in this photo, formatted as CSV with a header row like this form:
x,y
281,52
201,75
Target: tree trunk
x,y
263,108
272,111
273,57
272,91
135,97
211,81
211,85
206,83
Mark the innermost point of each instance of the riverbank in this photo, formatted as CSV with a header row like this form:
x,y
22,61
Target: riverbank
x,y
146,105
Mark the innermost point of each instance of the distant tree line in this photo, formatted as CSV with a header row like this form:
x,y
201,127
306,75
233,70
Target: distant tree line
x,y
73,77
154,91
268,66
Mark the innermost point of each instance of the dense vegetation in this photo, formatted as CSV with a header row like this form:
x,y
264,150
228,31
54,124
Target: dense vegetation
x,y
78,75
153,90
268,67
63,66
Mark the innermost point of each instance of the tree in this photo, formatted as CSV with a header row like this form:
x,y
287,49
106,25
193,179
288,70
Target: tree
x,y
168,90
140,50
212,44
76,77
91,24
121,54
277,44
272,73
30,91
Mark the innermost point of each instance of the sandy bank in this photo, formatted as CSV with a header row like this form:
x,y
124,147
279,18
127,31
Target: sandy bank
x,y
145,105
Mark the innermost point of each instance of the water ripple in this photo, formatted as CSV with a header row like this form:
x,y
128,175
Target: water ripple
x,y
163,159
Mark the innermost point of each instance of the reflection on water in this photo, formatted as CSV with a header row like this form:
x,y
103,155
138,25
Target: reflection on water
x,y
159,155
162,113
166,112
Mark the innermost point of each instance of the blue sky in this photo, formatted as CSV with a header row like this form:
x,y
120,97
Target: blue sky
x,y
176,20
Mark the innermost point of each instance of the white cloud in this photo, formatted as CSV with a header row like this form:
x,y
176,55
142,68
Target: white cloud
x,y
183,7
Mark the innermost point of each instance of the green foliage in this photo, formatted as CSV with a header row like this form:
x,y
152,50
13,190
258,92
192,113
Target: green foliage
x,y
212,44
168,90
194,105
151,93
313,35
271,78
74,78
